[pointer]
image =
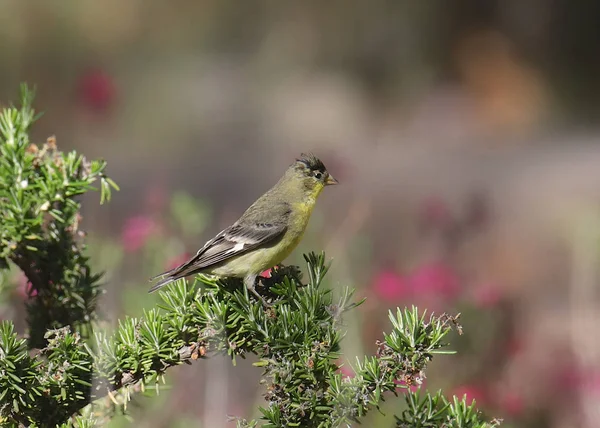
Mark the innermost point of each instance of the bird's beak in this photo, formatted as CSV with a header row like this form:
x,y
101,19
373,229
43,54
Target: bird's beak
x,y
331,180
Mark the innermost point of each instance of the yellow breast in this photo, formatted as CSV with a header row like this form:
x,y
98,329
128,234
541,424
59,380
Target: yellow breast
x,y
261,259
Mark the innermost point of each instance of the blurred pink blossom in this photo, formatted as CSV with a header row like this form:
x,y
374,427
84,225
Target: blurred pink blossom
x,y
389,285
473,392
136,232
594,382
569,378
97,90
435,278
512,403
486,296
573,379
346,371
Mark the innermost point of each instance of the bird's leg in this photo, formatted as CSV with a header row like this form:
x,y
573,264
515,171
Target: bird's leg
x,y
250,283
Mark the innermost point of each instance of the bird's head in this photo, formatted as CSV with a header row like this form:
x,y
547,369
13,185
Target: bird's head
x,y
312,174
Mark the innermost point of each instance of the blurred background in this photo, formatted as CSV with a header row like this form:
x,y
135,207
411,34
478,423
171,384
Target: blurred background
x,y
464,133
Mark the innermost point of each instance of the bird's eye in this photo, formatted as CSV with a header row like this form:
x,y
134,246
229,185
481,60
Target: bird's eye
x,y
318,175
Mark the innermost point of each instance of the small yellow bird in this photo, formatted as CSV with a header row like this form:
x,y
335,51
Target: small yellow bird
x,y
265,234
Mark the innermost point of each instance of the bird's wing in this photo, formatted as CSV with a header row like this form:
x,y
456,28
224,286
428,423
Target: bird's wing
x,y
233,241
236,240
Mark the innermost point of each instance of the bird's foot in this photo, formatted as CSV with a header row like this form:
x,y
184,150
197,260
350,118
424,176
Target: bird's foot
x,y
252,289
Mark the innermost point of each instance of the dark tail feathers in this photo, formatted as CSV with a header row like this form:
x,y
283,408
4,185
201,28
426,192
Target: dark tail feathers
x,y
161,283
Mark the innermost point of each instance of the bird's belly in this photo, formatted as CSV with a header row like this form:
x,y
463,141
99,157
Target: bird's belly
x,y
258,260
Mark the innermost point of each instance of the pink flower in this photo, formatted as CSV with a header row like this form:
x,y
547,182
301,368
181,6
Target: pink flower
x,y
435,279
486,296
136,232
346,371
266,273
512,403
97,90
591,383
472,392
569,378
389,285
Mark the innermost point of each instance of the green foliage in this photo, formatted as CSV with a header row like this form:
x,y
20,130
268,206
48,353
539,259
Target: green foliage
x,y
47,387
430,411
400,361
18,379
297,342
79,379
40,218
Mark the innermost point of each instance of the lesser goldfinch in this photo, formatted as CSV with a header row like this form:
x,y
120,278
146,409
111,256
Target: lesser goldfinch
x,y
265,234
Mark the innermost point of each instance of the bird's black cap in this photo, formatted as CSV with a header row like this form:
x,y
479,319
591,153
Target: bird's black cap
x,y
312,162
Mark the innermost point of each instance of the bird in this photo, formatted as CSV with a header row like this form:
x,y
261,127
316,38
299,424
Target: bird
x,y
266,233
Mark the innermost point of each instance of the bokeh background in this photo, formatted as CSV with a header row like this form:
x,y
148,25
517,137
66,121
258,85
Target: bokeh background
x,y
464,133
